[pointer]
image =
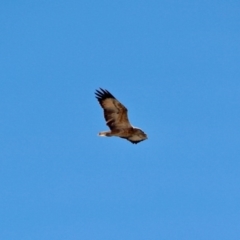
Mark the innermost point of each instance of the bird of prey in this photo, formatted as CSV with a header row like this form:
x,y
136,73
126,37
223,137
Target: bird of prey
x,y
116,118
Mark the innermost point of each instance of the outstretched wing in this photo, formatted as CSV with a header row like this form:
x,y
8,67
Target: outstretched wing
x,y
114,112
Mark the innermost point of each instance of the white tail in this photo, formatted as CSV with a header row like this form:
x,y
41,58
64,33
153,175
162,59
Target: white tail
x,y
102,134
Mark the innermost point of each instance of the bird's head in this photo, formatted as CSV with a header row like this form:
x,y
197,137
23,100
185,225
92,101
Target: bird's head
x,y
140,133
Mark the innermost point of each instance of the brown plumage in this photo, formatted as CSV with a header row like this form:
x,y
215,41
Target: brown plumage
x,y
116,118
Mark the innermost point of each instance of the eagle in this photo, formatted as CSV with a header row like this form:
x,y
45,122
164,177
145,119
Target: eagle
x,y
115,114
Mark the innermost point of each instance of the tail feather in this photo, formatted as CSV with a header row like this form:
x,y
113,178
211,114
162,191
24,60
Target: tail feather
x,y
102,134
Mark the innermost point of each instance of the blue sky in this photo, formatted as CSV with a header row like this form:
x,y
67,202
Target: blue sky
x,y
174,65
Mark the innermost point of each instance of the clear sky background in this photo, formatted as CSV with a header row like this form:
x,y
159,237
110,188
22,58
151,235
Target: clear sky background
x,y
175,65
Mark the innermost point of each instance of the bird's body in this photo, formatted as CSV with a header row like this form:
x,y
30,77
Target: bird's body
x,y
116,118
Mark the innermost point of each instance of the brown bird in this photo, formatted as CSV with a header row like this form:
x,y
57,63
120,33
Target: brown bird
x,y
116,118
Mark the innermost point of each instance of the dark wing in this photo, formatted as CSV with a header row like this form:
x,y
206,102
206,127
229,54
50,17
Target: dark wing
x,y
114,112
134,139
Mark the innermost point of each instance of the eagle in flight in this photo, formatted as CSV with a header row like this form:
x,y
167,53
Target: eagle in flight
x,y
116,118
